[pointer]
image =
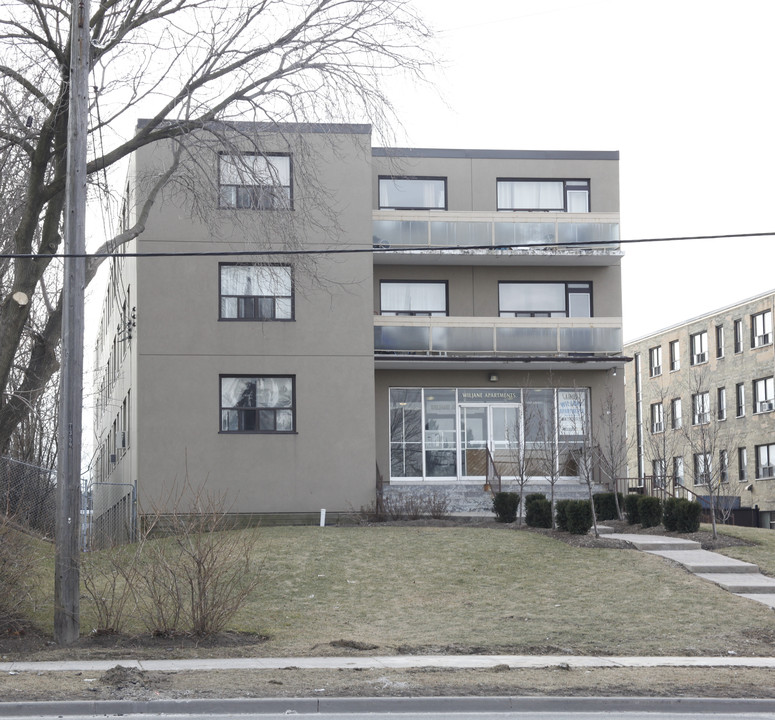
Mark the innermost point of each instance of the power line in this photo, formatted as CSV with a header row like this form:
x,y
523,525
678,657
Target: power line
x,y
380,248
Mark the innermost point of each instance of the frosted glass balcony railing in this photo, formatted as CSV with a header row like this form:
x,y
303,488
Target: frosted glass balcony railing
x,y
435,335
397,229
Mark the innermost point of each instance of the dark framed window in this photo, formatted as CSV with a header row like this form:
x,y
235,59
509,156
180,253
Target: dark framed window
x,y
255,181
412,193
719,341
545,299
255,292
676,419
258,403
702,468
764,395
765,461
761,329
675,355
740,400
657,418
678,470
742,463
699,345
723,465
543,194
655,361
721,403
738,324
410,297
701,408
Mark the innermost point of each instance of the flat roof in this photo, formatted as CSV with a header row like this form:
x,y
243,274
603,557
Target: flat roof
x,y
496,154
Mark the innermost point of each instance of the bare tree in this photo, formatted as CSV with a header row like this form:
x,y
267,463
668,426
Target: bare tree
x,y
545,434
522,459
583,449
193,67
612,442
664,433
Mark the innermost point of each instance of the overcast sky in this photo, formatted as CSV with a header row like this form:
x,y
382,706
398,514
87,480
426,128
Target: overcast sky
x,y
683,89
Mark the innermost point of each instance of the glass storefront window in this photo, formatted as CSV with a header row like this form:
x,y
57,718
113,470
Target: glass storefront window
x,y
405,433
440,433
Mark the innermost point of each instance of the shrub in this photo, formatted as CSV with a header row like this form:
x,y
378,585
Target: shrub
x,y
649,511
688,516
561,514
437,505
538,511
505,506
670,514
631,508
579,517
605,505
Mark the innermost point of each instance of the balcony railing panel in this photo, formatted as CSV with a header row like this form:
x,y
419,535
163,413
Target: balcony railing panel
x,y
491,336
434,229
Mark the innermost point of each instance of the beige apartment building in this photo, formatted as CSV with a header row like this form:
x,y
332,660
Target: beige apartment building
x,y
305,314
711,376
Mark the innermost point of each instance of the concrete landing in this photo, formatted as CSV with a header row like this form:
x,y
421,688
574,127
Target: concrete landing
x,y
655,542
767,599
741,583
702,561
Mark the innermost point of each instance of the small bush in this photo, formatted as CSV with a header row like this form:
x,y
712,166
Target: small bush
x,y
505,506
437,505
538,511
605,505
579,517
670,514
631,508
649,511
688,516
561,514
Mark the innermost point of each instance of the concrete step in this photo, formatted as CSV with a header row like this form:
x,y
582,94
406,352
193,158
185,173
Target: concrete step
x,y
767,599
702,561
655,542
742,583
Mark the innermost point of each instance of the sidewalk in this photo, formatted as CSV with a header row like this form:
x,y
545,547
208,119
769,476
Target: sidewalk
x,y
387,662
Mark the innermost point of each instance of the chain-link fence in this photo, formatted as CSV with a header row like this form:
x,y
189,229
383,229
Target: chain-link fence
x,y
28,495
109,516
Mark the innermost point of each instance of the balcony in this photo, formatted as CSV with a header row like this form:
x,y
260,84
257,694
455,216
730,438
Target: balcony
x,y
540,341
481,237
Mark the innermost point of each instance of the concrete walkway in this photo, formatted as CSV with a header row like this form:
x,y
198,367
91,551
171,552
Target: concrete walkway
x,y
736,576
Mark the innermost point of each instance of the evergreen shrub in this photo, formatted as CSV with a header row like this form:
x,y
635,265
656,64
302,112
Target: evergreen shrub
x,y
579,517
538,511
561,515
649,511
605,505
631,508
505,506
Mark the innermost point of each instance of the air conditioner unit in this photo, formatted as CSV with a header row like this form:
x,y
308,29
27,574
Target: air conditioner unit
x,y
702,479
766,405
121,440
766,471
658,427
701,418
699,358
762,340
656,370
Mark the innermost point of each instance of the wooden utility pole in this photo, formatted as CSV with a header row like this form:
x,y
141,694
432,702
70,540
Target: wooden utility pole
x,y
67,580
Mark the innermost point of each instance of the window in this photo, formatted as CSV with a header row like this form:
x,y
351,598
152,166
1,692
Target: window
x,y
655,361
702,468
701,408
258,404
657,418
678,470
761,329
719,341
738,336
413,193
764,395
413,298
721,403
723,466
525,299
547,195
740,399
765,461
257,181
699,343
742,464
659,471
256,292
675,413
675,356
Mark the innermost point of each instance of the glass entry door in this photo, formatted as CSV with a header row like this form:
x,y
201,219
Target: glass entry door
x,y
496,428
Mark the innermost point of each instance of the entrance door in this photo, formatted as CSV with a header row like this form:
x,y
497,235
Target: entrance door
x,y
493,427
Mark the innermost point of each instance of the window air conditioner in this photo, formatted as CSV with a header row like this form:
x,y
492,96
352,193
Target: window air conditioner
x,y
766,405
657,427
701,479
122,439
762,340
699,358
767,471
657,370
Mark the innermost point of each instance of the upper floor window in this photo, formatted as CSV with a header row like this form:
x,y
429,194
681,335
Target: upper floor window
x,y
761,329
742,464
740,400
721,403
764,395
699,342
259,404
413,193
675,355
657,418
675,413
678,470
547,299
738,336
256,292
719,341
765,461
655,361
702,468
701,408
413,298
256,181
547,195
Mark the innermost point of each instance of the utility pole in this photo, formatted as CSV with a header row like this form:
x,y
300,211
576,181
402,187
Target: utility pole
x,y
67,615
